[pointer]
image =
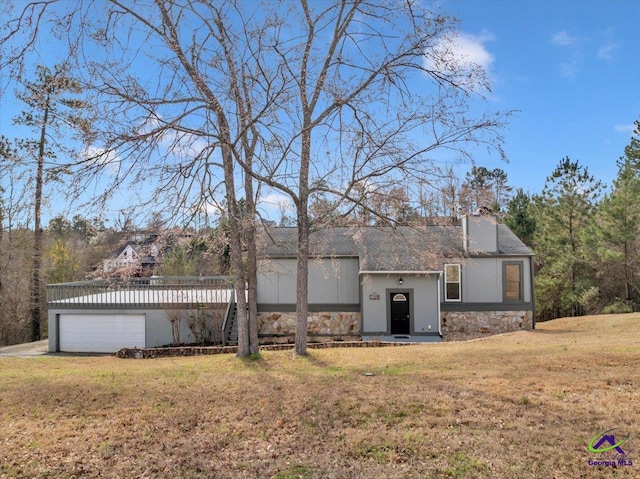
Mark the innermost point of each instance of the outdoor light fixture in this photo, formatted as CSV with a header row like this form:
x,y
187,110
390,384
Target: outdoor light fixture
x,y
400,281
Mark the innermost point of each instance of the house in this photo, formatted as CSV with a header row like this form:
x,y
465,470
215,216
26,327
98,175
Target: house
x,y
404,283
409,283
143,253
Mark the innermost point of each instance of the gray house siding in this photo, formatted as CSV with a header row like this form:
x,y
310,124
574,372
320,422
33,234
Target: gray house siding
x,y
332,281
484,308
479,244
343,289
158,327
334,297
481,234
277,281
424,299
482,279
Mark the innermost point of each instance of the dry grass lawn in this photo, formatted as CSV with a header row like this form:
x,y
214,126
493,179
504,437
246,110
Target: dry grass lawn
x,y
519,405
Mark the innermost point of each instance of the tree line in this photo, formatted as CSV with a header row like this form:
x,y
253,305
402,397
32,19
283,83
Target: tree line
x,y
586,237
76,250
346,108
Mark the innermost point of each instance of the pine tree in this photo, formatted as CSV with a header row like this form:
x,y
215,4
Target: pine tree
x,y
48,111
519,217
619,227
564,225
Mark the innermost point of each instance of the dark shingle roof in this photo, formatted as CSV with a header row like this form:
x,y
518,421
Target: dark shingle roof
x,y
510,244
386,249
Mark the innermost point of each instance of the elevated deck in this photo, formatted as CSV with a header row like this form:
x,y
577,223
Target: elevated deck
x,y
164,292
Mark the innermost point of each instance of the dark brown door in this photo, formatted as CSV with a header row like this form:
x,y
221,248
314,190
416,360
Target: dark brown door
x,y
400,321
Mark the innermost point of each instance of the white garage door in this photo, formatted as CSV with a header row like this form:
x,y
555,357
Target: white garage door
x,y
100,333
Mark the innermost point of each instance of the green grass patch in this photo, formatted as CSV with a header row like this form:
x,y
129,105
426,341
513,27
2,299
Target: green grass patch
x,y
296,472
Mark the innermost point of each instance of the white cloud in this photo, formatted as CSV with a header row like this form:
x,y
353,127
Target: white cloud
x,y
625,128
213,209
105,159
570,68
274,206
471,48
573,63
460,55
563,39
605,52
182,145
276,200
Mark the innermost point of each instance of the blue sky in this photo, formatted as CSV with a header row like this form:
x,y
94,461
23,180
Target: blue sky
x,y
571,68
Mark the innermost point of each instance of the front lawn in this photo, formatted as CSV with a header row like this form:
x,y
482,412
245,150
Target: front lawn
x,y
523,404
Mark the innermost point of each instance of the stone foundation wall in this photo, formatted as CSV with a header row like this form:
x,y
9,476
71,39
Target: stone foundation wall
x,y
321,323
487,322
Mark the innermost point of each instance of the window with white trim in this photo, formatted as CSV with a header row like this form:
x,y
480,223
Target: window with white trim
x,y
452,283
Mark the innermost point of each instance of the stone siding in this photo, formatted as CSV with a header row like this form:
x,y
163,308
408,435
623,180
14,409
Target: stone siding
x,y
486,322
321,323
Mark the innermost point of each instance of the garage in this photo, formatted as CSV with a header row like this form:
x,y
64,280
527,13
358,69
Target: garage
x,y
100,333
107,315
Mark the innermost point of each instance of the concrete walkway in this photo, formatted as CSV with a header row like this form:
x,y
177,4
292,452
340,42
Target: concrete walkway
x,y
37,348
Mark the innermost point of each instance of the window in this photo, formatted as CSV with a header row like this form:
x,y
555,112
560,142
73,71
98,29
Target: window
x,y
512,282
452,282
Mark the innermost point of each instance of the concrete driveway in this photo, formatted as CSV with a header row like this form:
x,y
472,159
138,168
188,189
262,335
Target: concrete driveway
x,y
37,348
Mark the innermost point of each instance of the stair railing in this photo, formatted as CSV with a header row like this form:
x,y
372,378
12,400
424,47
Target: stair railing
x,y
227,324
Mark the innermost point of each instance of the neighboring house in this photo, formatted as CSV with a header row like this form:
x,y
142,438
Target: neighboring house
x,y
405,283
143,252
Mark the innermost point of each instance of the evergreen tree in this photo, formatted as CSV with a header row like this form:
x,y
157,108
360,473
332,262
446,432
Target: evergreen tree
x,y
564,226
49,111
64,265
619,228
484,188
519,217
177,263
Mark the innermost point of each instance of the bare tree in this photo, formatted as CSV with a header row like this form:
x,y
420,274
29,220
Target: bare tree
x,y
195,125
15,249
170,117
368,108
341,100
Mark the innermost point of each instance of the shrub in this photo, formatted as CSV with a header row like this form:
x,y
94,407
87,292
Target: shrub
x,y
590,300
618,306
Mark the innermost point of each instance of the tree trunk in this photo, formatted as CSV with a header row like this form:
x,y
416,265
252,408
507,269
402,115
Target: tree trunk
x,y
302,283
235,235
36,265
252,267
302,277
627,272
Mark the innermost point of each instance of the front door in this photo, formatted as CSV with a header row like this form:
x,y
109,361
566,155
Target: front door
x,y
400,322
